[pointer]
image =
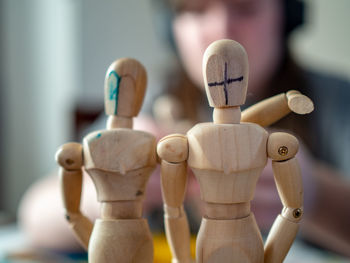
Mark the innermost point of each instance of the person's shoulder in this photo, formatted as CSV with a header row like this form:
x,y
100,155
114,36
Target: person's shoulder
x,y
329,92
327,84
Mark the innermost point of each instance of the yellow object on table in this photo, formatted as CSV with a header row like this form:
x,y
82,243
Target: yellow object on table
x,y
162,251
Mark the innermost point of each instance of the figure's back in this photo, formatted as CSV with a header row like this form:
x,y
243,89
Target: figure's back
x,y
119,161
227,160
119,157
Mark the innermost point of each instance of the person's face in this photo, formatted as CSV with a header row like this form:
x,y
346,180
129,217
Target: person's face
x,y
256,24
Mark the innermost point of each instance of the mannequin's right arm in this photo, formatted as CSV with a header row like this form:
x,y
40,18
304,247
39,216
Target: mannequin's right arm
x,y
173,152
70,158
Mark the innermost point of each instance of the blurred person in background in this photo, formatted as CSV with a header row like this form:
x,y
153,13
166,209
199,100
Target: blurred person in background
x,y
263,28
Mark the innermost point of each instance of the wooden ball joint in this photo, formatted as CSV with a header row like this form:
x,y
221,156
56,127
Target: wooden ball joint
x,y
227,156
119,161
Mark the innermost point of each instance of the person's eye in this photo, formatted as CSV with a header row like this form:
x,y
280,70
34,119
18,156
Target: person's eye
x,y
190,7
245,8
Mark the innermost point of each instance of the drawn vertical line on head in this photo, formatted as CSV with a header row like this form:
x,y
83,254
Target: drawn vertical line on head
x,y
114,88
225,83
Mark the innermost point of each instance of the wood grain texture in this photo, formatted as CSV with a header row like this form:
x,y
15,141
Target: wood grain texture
x,y
119,161
69,157
125,86
178,236
71,185
119,150
114,122
227,188
268,111
112,186
299,103
282,146
226,211
280,239
227,157
121,240
227,147
271,110
227,115
225,72
173,148
283,232
222,241
173,183
82,228
289,182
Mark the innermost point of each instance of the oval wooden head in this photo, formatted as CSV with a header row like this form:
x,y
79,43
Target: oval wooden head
x,y
225,72
125,86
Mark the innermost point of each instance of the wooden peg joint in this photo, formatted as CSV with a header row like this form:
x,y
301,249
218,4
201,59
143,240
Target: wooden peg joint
x,y
173,148
292,214
70,156
114,122
299,103
174,212
282,146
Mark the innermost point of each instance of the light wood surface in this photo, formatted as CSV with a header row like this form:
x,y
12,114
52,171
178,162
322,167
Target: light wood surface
x,y
178,236
120,144
121,240
273,109
225,71
120,161
227,241
227,115
289,182
282,146
69,156
299,103
114,122
227,157
227,147
290,189
173,148
280,239
125,86
173,183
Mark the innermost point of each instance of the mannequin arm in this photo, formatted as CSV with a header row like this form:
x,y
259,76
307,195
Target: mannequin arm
x,y
173,151
69,157
275,108
282,148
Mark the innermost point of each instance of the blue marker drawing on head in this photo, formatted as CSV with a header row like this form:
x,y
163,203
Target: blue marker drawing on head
x,y
113,82
225,82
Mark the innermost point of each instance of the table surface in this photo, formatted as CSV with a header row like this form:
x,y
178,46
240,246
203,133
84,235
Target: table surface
x,y
14,248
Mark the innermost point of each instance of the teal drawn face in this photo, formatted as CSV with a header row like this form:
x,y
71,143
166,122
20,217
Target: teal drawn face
x,y
113,86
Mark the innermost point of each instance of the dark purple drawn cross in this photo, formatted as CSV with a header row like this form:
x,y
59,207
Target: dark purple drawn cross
x,y
225,82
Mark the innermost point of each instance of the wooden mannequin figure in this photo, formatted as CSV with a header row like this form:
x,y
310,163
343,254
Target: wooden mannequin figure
x,y
119,161
227,157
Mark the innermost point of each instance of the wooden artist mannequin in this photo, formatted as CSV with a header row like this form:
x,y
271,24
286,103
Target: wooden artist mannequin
x,y
227,157
119,161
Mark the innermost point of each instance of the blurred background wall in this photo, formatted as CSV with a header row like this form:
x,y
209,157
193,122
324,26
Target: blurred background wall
x,y
323,43
54,54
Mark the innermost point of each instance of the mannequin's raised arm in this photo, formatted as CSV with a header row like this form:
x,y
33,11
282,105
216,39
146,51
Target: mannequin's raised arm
x,y
275,108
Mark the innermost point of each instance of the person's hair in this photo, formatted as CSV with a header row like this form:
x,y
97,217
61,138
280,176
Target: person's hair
x,y
166,10
183,89
293,14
